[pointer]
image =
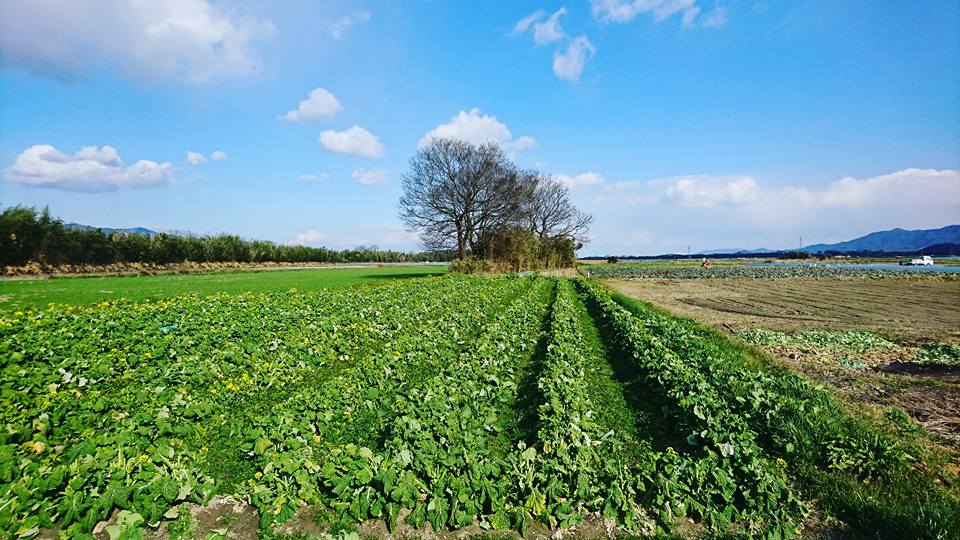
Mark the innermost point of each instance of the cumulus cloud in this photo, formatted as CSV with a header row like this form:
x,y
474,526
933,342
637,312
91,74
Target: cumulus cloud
x,y
355,141
580,180
339,27
568,64
311,237
478,128
219,155
92,169
621,11
192,40
320,104
705,191
371,177
313,177
195,158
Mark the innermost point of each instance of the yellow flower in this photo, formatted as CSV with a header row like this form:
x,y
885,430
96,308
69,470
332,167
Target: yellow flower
x,y
258,475
38,446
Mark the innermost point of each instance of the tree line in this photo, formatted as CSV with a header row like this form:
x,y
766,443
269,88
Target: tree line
x,y
29,235
474,201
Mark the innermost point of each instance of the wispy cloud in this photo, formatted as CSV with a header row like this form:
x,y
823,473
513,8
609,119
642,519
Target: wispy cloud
x,y
371,177
568,63
622,11
339,27
313,177
579,180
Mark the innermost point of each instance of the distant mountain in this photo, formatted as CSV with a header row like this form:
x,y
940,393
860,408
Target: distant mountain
x,y
894,240
108,230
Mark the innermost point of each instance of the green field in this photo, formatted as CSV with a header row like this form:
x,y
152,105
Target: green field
x,y
80,291
449,402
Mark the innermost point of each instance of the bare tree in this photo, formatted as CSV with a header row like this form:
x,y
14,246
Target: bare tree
x,y
455,193
548,212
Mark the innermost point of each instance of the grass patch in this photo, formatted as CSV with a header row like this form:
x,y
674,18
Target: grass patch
x,y
38,293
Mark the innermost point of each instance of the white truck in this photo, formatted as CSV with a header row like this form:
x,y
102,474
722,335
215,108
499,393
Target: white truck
x,y
926,260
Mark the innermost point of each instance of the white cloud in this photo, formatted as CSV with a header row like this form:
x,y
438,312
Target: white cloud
x,y
568,64
311,237
192,40
522,143
91,169
355,141
545,32
704,191
621,11
580,180
716,18
739,211
917,187
339,27
319,104
195,158
219,155
313,177
478,128
371,177
549,30
689,19
524,23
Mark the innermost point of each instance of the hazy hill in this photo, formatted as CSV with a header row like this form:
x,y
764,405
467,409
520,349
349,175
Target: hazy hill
x,y
108,230
894,240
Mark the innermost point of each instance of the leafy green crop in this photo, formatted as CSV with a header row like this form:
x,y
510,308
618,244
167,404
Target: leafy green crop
x,y
732,481
448,400
947,354
824,339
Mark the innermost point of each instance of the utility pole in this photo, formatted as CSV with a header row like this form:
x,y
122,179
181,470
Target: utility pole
x,y
801,242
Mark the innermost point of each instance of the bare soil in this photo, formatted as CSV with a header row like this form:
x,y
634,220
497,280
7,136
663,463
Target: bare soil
x,y
909,309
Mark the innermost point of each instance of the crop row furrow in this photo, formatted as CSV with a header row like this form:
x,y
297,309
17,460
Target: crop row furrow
x,y
732,481
582,465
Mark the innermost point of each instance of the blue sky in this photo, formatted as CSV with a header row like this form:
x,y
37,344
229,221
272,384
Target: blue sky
x,y
710,124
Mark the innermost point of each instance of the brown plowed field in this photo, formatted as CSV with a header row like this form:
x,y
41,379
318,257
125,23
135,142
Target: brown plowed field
x,y
908,308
